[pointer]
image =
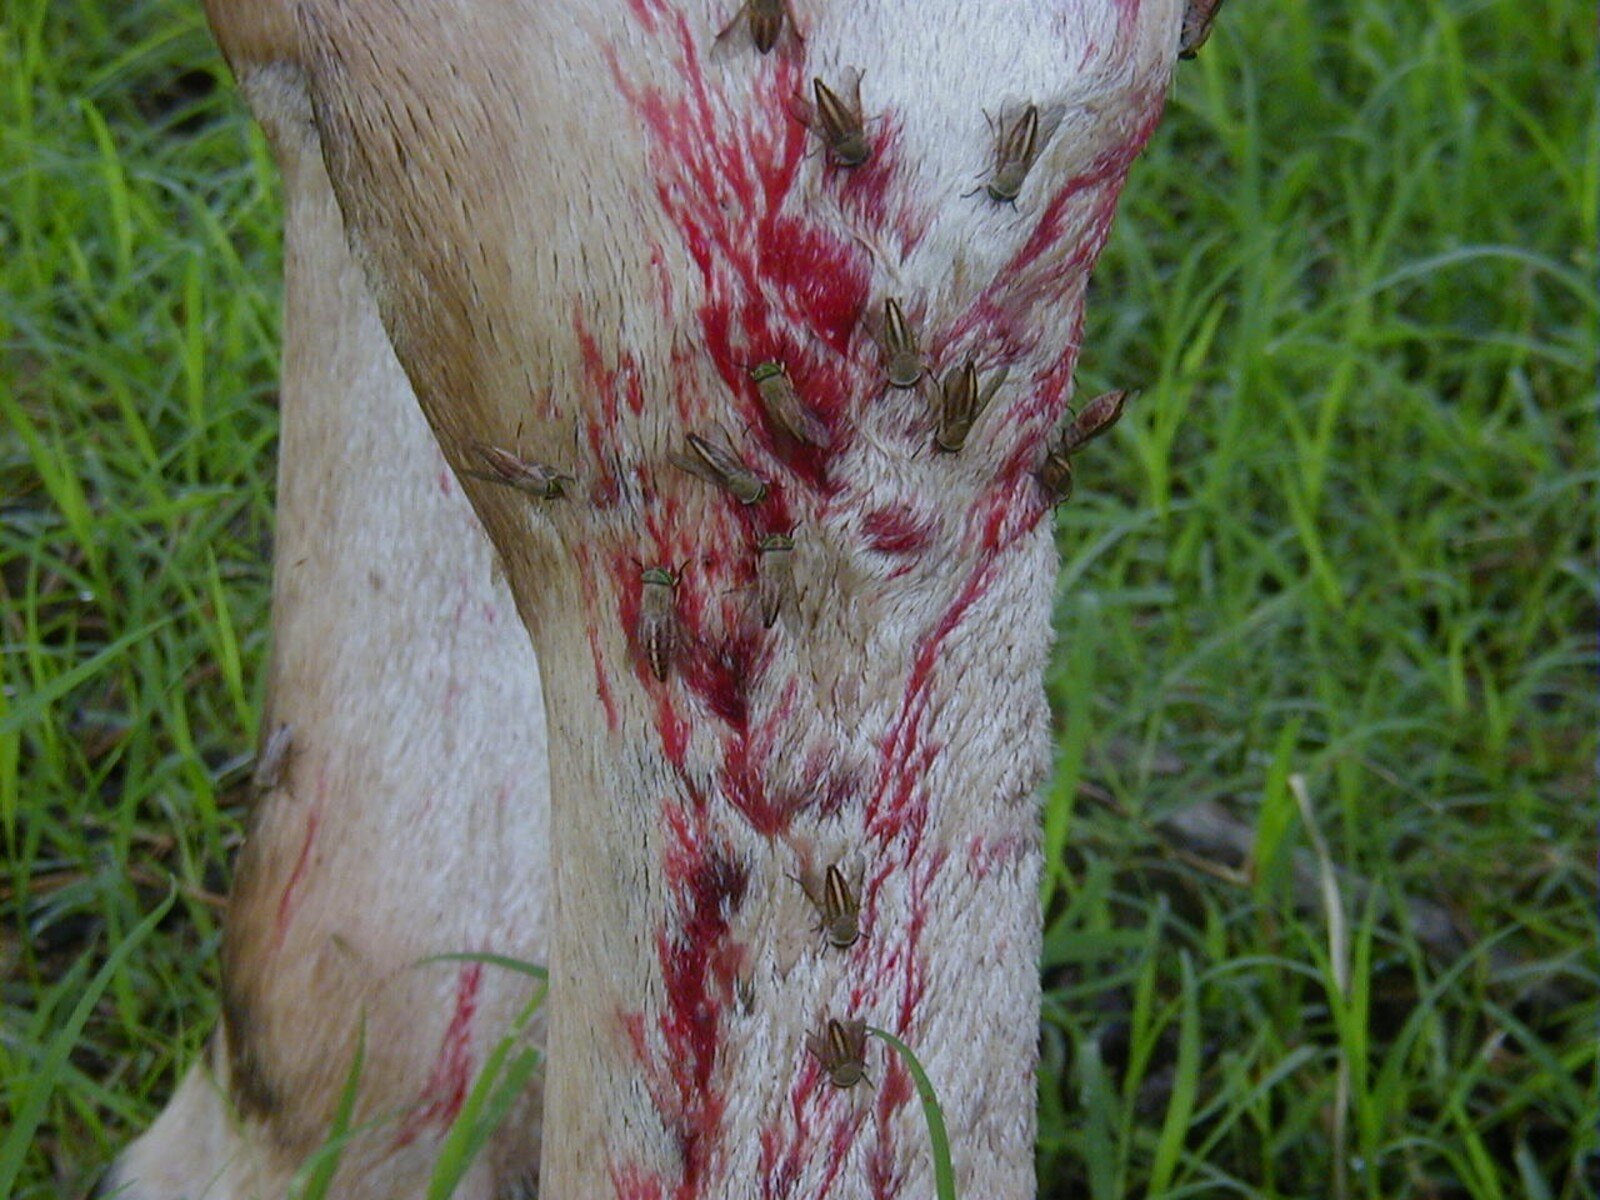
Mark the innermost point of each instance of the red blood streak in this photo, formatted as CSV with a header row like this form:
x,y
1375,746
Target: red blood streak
x,y
601,379
1036,279
844,1132
867,193
446,1089
633,1182
708,886
897,530
988,855
665,296
633,1024
286,901
743,786
782,1157
769,282
602,684
624,575
647,11
775,284
913,980
741,779
674,730
633,389
985,526
882,1175
589,584
722,673
776,1182
452,697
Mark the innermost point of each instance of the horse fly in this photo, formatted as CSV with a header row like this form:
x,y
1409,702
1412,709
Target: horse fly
x,y
902,360
838,906
720,466
1098,416
783,405
1198,16
775,576
274,761
658,619
510,470
841,1048
1056,475
1017,148
765,18
961,403
840,125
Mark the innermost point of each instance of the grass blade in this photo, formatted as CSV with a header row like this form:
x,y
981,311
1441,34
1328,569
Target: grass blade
x,y
54,1059
33,706
498,1084
1339,961
532,970
944,1175
1185,1084
497,1087
324,1163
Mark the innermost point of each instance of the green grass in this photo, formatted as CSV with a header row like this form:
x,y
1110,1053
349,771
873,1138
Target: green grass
x,y
1341,551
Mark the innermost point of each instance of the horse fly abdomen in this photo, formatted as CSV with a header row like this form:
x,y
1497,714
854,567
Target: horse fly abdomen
x,y
841,1048
766,19
840,124
658,619
775,577
902,359
720,466
961,403
783,404
1198,17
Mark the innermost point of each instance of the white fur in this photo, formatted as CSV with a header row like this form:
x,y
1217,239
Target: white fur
x,y
528,196
385,607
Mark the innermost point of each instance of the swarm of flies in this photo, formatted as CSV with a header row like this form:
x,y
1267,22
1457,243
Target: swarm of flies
x,y
841,1048
718,464
1095,418
838,121
765,20
961,402
1020,136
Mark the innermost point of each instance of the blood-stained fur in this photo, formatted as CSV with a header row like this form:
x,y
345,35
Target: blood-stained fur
x,y
581,233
